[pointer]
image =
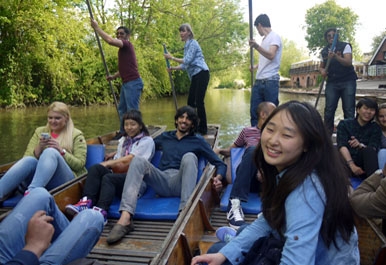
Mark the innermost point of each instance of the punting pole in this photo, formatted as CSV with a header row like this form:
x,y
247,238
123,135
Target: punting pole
x,y
251,37
171,78
103,59
327,65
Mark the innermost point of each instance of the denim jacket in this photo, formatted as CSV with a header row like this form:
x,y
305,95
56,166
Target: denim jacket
x,y
304,208
194,61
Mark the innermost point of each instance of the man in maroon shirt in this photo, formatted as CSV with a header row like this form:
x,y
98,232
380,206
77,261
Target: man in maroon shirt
x,y
132,84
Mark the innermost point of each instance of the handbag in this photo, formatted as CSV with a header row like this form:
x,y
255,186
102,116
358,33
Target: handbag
x,y
264,251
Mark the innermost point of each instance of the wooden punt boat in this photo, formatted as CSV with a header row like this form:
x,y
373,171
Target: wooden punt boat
x,y
159,242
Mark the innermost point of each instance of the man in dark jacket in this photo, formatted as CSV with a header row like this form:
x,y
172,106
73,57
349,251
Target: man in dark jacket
x,y
341,79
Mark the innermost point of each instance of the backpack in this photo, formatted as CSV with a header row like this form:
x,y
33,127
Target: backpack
x,y
265,251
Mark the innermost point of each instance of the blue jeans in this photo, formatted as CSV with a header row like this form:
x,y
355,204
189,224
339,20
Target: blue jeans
x,y
381,158
70,241
335,90
263,90
129,98
50,171
168,183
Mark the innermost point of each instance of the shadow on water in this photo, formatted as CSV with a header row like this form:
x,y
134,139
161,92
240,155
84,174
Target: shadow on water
x,y
229,108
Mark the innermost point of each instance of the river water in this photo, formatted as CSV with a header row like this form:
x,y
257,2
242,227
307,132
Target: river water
x,y
227,107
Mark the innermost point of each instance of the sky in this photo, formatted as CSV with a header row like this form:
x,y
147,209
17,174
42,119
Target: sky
x,y
288,18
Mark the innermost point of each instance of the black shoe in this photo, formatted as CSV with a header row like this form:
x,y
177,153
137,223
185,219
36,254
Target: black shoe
x,y
119,231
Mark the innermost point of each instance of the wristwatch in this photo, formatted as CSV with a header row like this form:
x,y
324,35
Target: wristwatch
x,y
63,152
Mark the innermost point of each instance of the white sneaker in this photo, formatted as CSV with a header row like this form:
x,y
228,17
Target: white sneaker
x,y
235,215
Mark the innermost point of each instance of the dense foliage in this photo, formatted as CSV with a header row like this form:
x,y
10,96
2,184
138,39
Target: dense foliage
x,y
49,52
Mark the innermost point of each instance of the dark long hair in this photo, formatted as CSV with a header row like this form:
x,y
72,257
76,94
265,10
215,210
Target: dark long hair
x,y
321,156
135,115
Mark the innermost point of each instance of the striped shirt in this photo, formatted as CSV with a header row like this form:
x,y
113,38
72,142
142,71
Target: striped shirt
x,y
249,136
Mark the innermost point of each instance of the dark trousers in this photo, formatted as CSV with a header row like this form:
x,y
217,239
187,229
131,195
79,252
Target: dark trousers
x,y
102,185
196,97
367,160
246,180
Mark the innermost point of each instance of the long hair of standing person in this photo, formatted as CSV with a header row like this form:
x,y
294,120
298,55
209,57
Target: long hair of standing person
x,y
65,136
321,156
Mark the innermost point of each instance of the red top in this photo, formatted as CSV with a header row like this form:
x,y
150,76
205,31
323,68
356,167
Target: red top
x,y
127,62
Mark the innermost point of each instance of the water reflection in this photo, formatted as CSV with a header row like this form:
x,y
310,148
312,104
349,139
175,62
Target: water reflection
x,y
229,108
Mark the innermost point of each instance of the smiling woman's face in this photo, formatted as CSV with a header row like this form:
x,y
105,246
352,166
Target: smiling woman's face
x,y
281,141
56,121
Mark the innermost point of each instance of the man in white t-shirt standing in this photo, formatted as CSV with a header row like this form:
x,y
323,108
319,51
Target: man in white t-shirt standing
x,y
266,87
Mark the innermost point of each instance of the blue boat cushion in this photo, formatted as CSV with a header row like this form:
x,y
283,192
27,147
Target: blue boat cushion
x,y
355,182
11,202
151,206
253,205
95,154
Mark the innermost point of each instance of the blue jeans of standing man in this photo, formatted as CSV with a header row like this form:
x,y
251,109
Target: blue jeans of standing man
x,y
70,241
263,90
50,171
129,98
167,183
335,90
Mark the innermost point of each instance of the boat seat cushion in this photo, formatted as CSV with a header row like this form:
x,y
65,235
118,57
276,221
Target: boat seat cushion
x,y
95,154
253,205
152,206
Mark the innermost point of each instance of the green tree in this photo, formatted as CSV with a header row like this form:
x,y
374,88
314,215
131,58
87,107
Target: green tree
x,y
291,54
328,15
49,52
377,41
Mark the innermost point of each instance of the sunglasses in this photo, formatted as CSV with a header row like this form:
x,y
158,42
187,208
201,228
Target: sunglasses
x,y
120,33
330,36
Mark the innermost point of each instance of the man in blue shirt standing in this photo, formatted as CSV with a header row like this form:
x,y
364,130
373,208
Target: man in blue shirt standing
x,y
177,171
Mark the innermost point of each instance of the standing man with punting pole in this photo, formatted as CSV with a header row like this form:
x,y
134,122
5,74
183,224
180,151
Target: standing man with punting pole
x,y
341,82
266,86
132,84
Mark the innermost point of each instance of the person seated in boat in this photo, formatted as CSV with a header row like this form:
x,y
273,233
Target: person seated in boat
x,y
55,154
177,171
381,119
246,172
359,139
37,232
248,137
106,179
369,198
304,195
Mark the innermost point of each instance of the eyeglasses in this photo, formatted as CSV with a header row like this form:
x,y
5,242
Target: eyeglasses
x,y
120,33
